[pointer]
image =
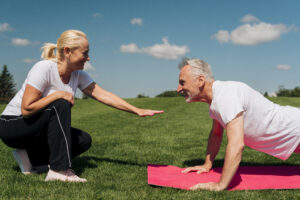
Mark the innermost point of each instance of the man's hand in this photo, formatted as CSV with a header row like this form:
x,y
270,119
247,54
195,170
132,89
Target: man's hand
x,y
212,186
199,169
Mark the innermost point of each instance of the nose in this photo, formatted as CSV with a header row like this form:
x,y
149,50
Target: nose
x,y
179,88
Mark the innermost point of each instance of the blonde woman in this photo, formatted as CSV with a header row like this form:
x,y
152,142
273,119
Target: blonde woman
x,y
38,118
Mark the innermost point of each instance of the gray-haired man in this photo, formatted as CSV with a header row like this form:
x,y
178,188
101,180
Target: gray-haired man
x,y
247,116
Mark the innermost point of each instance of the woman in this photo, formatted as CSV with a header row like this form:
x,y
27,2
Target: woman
x,y
38,118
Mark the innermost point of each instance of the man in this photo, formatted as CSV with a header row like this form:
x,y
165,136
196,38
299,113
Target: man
x,y
248,118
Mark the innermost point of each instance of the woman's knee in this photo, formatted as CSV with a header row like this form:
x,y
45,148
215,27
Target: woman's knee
x,y
87,141
62,102
61,105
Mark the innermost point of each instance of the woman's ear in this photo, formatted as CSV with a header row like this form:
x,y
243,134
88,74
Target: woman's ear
x,y
67,51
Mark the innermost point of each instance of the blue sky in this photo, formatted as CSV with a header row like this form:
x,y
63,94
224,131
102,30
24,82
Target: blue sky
x,y
135,45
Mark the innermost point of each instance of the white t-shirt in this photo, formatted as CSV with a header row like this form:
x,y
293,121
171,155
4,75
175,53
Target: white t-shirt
x,y
44,76
268,127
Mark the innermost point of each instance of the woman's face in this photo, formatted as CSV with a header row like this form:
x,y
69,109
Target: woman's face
x,y
80,55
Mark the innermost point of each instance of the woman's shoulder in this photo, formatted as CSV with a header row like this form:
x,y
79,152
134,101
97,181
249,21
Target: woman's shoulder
x,y
44,65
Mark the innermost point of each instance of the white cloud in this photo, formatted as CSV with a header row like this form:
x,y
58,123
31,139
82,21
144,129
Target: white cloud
x,y
5,27
249,18
129,48
258,33
20,42
29,60
165,50
23,42
136,21
222,36
89,67
283,67
253,34
97,15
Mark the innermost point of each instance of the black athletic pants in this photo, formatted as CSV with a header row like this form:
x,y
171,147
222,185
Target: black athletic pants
x,y
47,136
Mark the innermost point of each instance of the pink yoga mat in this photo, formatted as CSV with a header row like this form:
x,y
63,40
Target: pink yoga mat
x,y
246,178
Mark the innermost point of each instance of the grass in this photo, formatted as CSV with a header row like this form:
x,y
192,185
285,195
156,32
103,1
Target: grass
x,y
123,145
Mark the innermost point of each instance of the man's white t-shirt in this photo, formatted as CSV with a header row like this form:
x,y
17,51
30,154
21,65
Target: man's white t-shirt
x,y
44,77
268,127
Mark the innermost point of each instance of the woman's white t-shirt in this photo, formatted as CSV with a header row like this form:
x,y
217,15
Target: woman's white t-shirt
x,y
268,127
44,77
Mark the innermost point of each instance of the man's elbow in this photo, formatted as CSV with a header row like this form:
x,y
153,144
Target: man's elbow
x,y
241,147
237,149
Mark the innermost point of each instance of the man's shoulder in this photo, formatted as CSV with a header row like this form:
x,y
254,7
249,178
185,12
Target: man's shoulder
x,y
228,91
229,83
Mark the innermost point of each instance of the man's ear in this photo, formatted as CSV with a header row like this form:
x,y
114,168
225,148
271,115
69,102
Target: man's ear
x,y
201,80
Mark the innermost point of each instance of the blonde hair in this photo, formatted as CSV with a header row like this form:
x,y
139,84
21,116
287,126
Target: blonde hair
x,y
68,38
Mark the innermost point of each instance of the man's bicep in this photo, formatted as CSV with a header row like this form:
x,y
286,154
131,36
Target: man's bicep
x,y
235,129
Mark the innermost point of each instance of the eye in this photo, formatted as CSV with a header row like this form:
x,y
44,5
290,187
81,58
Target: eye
x,y
181,82
86,54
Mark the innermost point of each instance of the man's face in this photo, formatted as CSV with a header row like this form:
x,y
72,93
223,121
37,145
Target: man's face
x,y
188,86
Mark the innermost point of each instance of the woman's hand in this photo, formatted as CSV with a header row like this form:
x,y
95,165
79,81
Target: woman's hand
x,y
65,95
146,112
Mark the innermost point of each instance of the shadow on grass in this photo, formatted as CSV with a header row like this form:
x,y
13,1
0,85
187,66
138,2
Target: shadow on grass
x,y
220,162
83,162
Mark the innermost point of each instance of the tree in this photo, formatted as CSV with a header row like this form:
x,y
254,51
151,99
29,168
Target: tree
x,y
169,94
7,85
295,92
142,96
282,92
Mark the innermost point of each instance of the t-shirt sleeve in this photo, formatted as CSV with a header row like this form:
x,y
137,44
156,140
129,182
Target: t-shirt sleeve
x,y
38,76
228,106
84,80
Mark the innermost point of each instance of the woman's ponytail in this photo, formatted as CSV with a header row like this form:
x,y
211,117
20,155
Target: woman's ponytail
x,y
49,52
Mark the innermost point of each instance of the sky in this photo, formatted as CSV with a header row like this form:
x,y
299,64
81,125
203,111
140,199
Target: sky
x,y
136,45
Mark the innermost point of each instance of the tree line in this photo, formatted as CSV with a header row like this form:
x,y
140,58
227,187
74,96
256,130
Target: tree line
x,y
8,89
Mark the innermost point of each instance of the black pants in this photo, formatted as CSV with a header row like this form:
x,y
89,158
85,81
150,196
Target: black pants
x,y
47,136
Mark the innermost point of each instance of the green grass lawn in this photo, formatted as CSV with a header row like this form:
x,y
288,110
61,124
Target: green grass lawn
x,y
123,145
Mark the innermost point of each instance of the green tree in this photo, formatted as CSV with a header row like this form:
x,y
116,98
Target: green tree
x,y
7,85
169,94
142,96
282,92
295,92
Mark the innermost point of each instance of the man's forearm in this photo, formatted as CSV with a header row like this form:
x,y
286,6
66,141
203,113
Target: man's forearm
x,y
213,146
233,158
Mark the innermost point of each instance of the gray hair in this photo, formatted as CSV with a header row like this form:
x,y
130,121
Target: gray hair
x,y
198,67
